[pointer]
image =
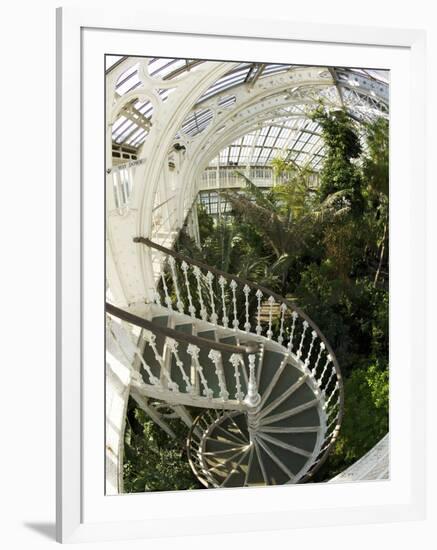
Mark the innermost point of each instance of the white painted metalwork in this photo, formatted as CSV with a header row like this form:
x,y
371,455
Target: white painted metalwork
x,y
234,286
246,291
236,360
198,275
191,308
189,125
259,296
216,358
194,352
179,303
294,316
210,279
172,345
283,309
271,302
222,283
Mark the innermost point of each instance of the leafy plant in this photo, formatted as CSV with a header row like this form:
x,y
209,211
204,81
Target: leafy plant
x,y
365,418
153,460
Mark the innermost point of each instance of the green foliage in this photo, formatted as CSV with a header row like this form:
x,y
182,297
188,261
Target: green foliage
x,y
376,163
205,221
365,417
342,144
327,248
153,460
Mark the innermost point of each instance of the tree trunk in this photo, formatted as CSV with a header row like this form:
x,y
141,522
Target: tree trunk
x,y
381,255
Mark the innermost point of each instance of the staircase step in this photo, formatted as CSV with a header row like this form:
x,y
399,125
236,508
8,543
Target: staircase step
x,y
309,417
237,474
289,376
230,426
301,395
276,473
223,449
241,421
230,472
305,441
293,461
255,476
271,362
149,356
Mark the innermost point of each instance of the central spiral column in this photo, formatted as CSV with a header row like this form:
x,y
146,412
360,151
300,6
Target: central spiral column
x,y
252,400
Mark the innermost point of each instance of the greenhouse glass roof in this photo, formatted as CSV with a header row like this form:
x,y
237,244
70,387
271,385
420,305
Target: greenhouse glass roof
x,y
286,131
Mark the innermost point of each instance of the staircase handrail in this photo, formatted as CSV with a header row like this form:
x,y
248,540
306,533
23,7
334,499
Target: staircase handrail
x,y
133,319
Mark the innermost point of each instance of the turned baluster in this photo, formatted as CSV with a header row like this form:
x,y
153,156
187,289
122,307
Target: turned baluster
x,y
194,352
216,358
179,303
293,327
172,345
233,286
259,296
191,308
222,283
246,291
210,279
236,360
271,302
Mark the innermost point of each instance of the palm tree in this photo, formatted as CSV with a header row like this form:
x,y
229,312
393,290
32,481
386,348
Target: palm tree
x,y
376,175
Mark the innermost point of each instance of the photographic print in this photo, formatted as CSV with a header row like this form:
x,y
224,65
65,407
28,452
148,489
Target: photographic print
x,y
247,274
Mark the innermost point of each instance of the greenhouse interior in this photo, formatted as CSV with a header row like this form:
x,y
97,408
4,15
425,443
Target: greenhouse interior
x,y
247,274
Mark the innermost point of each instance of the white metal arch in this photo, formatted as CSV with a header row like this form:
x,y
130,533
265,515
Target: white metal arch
x,y
256,103
128,264
251,110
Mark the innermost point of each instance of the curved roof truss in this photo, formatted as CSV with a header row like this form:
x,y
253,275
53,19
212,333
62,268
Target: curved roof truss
x,y
364,93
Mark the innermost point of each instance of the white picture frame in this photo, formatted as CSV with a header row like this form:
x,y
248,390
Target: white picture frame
x,y
83,512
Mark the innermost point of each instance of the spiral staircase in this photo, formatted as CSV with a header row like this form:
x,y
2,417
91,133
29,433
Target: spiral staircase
x,y
263,379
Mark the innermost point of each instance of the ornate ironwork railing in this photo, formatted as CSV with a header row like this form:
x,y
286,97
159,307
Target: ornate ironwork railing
x,y
193,288
191,379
